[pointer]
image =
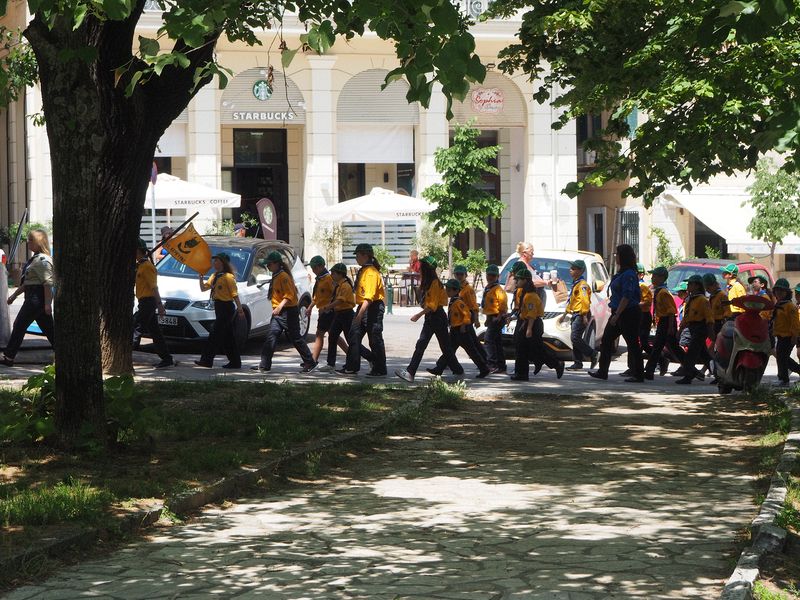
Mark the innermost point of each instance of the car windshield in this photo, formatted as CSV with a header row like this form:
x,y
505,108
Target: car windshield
x,y
241,259
541,264
680,273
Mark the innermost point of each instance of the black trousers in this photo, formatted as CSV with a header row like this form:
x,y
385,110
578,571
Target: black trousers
x,y
531,349
783,356
696,349
627,326
370,325
222,340
467,341
579,347
644,331
493,342
435,324
288,321
342,322
147,318
663,339
32,310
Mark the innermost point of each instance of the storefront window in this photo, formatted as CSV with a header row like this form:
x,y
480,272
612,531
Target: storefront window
x,y
259,146
352,181
405,177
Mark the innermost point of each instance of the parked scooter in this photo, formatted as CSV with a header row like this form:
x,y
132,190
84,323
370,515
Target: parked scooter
x,y
743,346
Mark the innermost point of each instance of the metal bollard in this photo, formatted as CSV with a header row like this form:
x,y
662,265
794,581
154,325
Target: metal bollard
x,y
389,297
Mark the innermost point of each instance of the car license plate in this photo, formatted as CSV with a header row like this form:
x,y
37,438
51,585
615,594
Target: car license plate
x,y
167,320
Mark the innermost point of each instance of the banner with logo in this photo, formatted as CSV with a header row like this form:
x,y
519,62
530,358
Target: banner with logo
x,y
268,218
189,248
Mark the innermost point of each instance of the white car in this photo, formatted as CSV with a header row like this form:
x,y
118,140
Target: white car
x,y
190,312
557,331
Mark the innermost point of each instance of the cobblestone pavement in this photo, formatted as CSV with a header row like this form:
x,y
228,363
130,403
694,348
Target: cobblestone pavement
x,y
623,496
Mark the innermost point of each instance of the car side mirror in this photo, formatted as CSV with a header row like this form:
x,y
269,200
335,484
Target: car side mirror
x,y
599,286
261,279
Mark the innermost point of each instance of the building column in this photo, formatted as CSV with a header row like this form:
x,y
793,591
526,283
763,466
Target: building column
x,y
204,148
551,217
39,182
433,133
321,173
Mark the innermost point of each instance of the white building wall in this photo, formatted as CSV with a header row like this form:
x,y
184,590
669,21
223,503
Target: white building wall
x,y
203,146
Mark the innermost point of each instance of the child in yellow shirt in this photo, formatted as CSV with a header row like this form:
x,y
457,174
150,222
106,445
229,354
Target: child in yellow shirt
x,y
786,327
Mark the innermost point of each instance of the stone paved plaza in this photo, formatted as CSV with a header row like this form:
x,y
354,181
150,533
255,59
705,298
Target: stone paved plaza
x,y
605,496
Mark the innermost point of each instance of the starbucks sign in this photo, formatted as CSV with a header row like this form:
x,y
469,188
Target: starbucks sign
x,y
261,90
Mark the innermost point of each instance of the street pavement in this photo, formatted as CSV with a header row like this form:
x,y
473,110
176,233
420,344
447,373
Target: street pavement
x,y
621,494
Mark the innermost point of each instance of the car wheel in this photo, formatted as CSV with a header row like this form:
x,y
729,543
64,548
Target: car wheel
x,y
305,320
241,330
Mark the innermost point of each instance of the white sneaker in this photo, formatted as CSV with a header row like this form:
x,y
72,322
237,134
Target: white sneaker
x,y
325,369
403,374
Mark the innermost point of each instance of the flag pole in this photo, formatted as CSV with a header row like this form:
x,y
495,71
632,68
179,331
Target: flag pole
x,y
12,252
174,232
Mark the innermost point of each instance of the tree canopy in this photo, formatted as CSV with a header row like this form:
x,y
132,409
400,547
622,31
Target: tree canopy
x,y
717,80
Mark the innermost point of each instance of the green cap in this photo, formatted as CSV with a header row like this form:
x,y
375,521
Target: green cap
x,y
709,279
523,274
782,284
797,288
493,270
223,256
453,284
459,270
682,287
660,271
430,260
316,261
141,245
761,278
518,265
640,268
364,249
339,268
695,279
273,257
732,268
578,264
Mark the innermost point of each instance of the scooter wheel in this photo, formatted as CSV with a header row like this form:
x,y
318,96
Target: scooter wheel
x,y
750,380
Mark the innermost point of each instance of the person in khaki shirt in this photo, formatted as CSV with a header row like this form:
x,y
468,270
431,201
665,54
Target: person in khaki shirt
x,y
227,308
786,327
341,307
285,317
460,318
467,294
494,305
734,288
321,297
579,312
699,322
528,333
646,305
665,315
150,306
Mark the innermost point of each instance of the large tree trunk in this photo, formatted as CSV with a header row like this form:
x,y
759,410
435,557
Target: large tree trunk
x,y
101,148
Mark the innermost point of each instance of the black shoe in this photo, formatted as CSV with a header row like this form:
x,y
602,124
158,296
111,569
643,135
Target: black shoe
x,y
598,375
700,377
625,373
678,372
345,371
685,380
482,374
595,356
375,374
259,368
308,367
559,369
663,367
515,378
232,366
434,372
9,362
202,363
714,381
164,364
634,380
497,370
575,367
649,376
536,368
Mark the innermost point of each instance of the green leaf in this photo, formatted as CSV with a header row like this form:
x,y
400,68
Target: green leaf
x,y
117,10
287,56
80,14
132,84
3,6
148,46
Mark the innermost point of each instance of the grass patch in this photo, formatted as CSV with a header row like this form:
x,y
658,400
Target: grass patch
x,y
68,501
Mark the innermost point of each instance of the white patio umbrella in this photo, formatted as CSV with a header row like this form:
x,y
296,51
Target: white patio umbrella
x,y
379,205
171,192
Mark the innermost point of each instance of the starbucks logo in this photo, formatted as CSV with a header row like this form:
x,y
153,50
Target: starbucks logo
x,y
261,90
267,214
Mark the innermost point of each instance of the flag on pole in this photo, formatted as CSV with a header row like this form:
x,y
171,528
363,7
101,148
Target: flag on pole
x,y
189,248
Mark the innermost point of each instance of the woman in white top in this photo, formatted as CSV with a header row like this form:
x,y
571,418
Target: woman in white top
x,y
36,283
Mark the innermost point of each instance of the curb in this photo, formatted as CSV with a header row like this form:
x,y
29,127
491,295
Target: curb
x,y
186,502
767,537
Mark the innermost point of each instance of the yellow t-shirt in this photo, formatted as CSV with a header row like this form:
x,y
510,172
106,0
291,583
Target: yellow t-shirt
x,y
459,313
495,300
146,277
435,297
698,309
323,291
736,290
787,321
647,297
223,287
369,285
719,309
531,306
664,304
344,298
580,299
467,294
283,288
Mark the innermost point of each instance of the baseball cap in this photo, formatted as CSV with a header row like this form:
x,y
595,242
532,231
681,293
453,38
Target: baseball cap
x,y
316,261
681,287
460,269
797,288
709,279
273,256
518,265
238,227
640,268
223,256
495,270
141,244
782,283
453,284
578,264
731,268
523,274
761,278
364,248
661,271
430,260
339,268
695,279
166,230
